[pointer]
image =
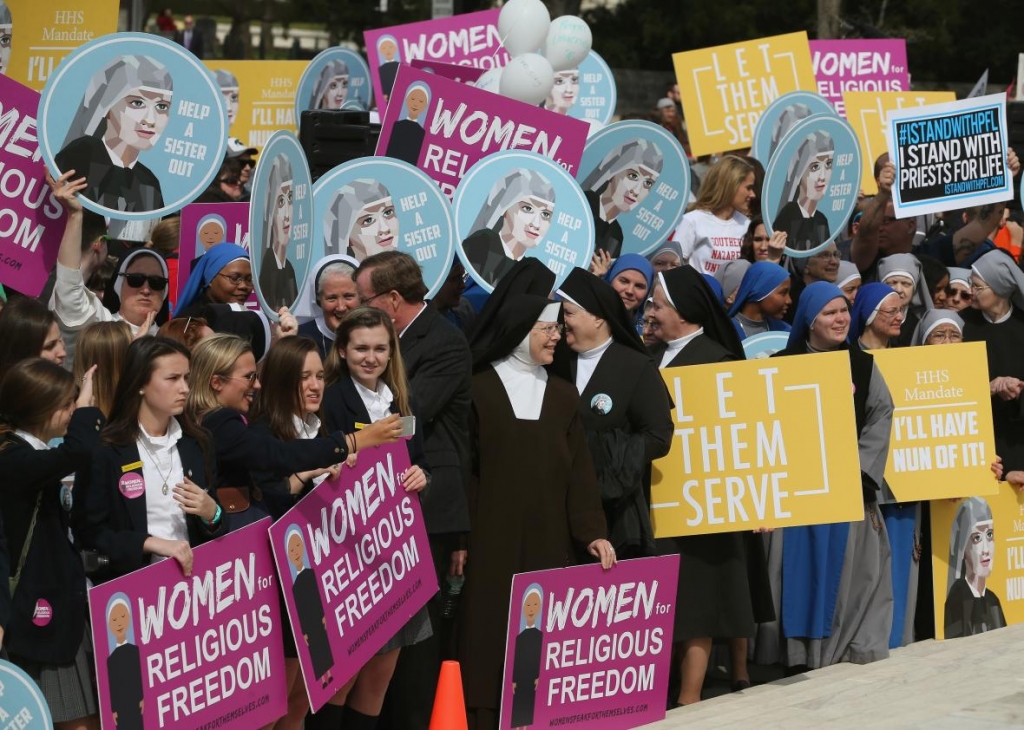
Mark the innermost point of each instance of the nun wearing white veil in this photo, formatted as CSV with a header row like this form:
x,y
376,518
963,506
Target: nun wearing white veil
x,y
807,181
124,111
331,88
361,220
512,221
277,275
620,183
971,608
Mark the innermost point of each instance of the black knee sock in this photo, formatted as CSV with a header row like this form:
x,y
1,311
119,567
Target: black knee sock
x,y
330,717
358,721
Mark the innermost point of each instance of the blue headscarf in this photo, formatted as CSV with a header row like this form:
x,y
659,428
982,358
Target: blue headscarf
x,y
869,298
761,279
207,267
812,301
715,287
633,261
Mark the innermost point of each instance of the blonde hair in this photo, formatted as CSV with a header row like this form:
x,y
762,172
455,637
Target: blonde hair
x,y
719,186
213,356
103,344
394,374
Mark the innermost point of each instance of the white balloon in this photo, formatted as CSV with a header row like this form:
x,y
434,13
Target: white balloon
x,y
568,42
528,78
523,25
490,80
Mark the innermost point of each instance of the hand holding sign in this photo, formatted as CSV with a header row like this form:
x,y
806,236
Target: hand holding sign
x,y
195,500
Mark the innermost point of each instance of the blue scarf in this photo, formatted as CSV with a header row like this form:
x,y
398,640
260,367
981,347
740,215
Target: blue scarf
x,y
868,298
207,267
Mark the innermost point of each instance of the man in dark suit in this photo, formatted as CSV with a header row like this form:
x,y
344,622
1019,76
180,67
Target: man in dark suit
x,y
439,367
190,37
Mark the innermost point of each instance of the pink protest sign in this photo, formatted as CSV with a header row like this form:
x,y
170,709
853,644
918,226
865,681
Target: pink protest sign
x,y
444,127
453,71
31,219
859,65
467,39
355,566
207,224
203,651
590,647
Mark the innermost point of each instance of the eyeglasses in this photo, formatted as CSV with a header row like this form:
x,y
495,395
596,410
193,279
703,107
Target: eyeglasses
x,y
953,336
891,313
231,181
248,163
828,256
237,279
977,288
251,377
135,281
363,302
551,329
954,292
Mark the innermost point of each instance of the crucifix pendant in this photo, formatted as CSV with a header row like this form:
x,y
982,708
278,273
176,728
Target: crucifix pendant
x,y
163,489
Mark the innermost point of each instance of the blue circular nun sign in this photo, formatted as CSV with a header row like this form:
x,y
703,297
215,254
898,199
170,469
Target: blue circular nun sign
x,y
335,79
637,182
376,204
765,344
280,223
811,184
21,701
140,118
587,92
780,117
517,204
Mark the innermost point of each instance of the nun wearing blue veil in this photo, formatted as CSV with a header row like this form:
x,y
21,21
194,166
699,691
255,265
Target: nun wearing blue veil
x,y
197,291
762,300
632,278
836,580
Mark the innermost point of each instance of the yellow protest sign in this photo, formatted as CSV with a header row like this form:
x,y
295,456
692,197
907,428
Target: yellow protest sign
x,y
759,443
867,112
725,89
942,443
978,562
260,97
43,33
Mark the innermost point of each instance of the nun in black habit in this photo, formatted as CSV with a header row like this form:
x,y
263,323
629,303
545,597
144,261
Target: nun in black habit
x,y
623,403
723,585
533,495
527,276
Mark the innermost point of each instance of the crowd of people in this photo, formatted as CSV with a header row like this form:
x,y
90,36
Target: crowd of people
x,y
541,410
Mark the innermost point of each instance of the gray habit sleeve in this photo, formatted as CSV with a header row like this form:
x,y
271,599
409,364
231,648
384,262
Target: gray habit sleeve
x,y
873,444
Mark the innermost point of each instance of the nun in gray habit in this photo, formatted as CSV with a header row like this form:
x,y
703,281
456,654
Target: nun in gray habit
x,y
836,579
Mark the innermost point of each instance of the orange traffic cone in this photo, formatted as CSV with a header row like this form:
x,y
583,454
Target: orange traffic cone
x,y
449,703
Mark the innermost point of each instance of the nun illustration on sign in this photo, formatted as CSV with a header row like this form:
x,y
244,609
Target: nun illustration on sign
x,y
277,275
514,219
971,607
564,92
331,88
125,109
406,141
619,184
786,121
6,37
810,171
387,49
362,218
229,88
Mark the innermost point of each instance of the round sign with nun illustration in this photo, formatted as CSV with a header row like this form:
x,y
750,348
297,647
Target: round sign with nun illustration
x,y
140,118
280,223
376,204
515,204
23,701
811,184
780,117
335,79
637,182
587,92
765,345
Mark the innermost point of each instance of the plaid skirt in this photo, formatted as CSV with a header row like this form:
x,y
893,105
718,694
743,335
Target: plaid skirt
x,y
69,689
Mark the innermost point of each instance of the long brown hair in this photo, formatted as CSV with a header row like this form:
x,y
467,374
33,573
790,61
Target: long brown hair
x,y
720,183
103,344
394,373
281,394
31,392
24,324
139,362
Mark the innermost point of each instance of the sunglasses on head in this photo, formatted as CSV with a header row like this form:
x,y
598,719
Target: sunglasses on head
x,y
135,281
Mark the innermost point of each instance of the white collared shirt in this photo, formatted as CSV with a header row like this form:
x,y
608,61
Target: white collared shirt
x,y
309,428
586,364
676,346
378,403
406,328
159,456
35,443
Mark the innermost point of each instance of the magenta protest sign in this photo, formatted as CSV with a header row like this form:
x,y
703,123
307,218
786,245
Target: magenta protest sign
x,y
203,651
31,219
355,566
859,65
204,225
590,647
467,39
443,127
453,71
